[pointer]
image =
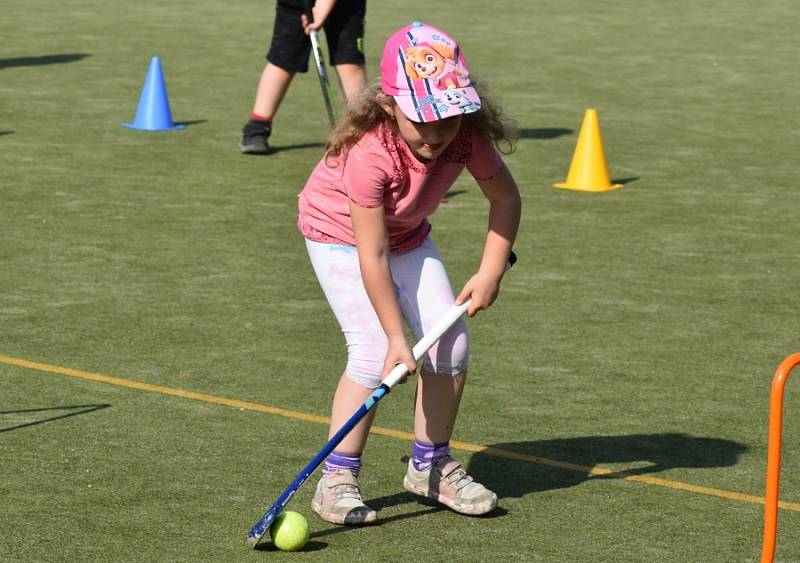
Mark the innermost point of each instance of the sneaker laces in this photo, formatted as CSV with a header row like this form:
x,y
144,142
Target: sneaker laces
x,y
346,491
459,478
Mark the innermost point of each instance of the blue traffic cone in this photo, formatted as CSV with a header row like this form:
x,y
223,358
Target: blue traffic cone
x,y
153,113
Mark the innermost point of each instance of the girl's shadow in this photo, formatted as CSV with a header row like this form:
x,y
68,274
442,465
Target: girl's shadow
x,y
561,463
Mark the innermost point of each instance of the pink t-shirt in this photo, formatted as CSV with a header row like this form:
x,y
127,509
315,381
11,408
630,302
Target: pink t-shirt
x,y
380,170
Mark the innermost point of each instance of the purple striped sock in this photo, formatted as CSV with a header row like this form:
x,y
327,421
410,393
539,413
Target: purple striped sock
x,y
424,455
337,460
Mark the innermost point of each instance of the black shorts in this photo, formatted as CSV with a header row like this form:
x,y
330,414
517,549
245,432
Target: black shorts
x,y
344,33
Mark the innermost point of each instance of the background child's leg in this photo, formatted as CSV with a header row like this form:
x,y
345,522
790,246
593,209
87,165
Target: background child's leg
x,y
352,78
272,88
344,31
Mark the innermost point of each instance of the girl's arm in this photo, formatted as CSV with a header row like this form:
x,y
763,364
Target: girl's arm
x,y
504,213
369,228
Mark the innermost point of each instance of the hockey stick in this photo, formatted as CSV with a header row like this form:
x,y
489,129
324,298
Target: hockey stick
x,y
257,532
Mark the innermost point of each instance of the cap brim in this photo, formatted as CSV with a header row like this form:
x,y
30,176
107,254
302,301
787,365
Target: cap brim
x,y
441,104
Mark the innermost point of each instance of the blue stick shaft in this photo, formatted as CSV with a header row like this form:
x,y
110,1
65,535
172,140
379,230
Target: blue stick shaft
x,y
260,528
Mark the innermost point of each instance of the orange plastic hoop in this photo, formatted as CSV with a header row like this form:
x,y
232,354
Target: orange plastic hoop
x,y
774,456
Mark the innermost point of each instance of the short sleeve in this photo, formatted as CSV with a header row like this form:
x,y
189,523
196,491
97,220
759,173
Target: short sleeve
x,y
367,174
484,162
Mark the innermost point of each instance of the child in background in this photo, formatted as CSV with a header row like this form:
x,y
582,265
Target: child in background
x,y
363,212
343,21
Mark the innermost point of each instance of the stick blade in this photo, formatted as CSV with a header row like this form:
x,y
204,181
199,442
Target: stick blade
x,y
259,530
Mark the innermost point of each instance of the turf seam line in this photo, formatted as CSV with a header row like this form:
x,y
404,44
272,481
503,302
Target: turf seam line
x,y
464,446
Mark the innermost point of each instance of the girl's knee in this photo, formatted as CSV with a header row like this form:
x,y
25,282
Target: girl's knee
x,y
364,373
451,354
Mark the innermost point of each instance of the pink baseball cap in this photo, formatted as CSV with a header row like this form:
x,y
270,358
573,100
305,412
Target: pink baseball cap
x,y
424,69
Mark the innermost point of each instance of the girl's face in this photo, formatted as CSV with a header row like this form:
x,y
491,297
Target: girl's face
x,y
426,140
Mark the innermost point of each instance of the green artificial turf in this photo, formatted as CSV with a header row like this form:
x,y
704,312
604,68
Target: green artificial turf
x,y
638,333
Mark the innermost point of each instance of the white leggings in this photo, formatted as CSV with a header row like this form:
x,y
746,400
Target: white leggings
x,y
423,292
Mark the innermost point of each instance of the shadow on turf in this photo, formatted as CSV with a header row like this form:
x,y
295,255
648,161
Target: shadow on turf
x,y
382,503
519,477
451,194
279,148
42,60
544,133
409,498
190,123
84,409
311,545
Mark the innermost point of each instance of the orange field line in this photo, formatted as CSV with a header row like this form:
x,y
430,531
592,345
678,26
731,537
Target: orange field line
x,y
465,446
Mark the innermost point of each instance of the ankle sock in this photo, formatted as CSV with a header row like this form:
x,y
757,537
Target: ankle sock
x,y
424,455
260,118
336,460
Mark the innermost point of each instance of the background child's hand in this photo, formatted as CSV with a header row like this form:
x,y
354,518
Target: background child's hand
x,y
319,12
309,26
483,290
399,353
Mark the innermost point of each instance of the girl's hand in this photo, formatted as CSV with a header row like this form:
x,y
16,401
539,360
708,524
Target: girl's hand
x,y
483,290
399,353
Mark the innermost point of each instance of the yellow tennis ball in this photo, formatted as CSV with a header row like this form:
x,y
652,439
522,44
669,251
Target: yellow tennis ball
x,y
289,531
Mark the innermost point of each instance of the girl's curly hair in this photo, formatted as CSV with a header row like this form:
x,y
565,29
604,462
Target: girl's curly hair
x,y
364,113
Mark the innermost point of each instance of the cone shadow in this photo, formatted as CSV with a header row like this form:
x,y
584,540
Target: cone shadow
x,y
190,123
544,133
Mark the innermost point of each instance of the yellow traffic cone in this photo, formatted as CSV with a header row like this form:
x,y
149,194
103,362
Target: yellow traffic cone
x,y
588,171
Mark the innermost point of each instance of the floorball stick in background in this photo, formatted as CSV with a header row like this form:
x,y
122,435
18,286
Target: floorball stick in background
x,y
324,82
397,374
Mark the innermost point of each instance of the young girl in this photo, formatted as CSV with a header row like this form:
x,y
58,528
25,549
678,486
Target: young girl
x,y
363,212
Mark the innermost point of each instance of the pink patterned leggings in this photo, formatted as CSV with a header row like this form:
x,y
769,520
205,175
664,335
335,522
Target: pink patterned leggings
x,y
423,292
